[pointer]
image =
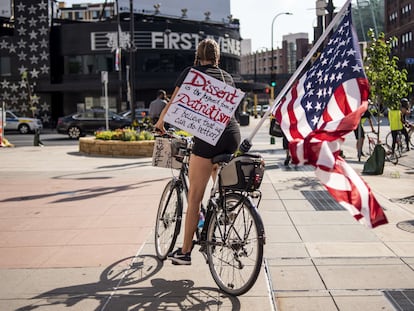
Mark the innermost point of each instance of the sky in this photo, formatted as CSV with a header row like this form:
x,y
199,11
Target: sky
x,y
256,18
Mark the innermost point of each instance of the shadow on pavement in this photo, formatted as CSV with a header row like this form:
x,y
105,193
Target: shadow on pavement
x,y
82,194
119,288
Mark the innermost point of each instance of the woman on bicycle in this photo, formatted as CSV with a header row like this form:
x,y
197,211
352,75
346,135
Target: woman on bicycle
x,y
200,166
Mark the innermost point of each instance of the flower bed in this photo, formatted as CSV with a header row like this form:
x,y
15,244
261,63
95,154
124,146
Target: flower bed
x,y
116,148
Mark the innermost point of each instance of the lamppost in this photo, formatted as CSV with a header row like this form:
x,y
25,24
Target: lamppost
x,y
272,71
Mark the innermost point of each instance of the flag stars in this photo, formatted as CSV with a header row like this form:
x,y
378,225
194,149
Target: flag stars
x,y
345,63
314,120
319,93
351,52
339,76
308,105
356,68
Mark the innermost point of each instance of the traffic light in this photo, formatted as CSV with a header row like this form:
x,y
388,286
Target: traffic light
x,y
273,83
267,90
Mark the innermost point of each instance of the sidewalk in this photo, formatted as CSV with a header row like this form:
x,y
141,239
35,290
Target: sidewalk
x,y
76,232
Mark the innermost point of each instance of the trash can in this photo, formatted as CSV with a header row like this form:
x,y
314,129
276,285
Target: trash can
x,y
244,119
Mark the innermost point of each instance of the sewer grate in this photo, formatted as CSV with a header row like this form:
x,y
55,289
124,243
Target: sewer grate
x,y
300,168
321,200
402,300
407,225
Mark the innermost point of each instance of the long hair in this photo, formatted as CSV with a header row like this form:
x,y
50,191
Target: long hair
x,y
208,50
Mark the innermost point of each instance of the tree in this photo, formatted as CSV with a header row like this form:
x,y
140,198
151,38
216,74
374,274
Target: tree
x,y
388,83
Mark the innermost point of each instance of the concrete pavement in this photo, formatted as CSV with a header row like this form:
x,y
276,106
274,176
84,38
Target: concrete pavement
x,y
76,233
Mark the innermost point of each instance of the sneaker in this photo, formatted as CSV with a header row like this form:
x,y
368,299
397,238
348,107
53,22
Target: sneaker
x,y
178,258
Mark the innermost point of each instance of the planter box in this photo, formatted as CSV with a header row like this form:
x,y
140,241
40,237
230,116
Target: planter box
x,y
116,148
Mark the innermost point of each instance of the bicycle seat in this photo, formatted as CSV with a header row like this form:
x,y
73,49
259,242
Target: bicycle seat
x,y
222,158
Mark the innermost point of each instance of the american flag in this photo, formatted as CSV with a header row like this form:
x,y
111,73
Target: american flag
x,y
324,105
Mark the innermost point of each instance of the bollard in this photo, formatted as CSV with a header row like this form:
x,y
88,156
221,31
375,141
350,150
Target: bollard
x,y
36,140
272,140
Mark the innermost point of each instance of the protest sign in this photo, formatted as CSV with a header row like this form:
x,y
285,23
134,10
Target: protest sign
x,y
203,106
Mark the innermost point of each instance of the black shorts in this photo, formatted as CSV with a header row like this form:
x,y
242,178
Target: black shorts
x,y
228,143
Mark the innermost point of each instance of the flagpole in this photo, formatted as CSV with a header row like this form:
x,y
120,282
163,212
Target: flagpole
x,y
247,142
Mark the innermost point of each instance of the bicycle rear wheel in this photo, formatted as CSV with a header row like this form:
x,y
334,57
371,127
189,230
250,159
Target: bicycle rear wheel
x,y
169,215
235,246
391,156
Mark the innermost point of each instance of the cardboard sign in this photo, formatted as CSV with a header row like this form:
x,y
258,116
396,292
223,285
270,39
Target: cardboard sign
x,y
161,154
203,106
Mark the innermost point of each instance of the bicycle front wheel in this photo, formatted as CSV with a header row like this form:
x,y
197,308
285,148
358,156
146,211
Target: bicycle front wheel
x,y
169,215
235,245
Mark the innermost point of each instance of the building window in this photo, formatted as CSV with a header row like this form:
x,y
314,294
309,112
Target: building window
x,y
5,67
89,64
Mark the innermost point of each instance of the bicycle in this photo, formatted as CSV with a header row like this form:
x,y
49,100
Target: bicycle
x,y
400,138
390,156
232,237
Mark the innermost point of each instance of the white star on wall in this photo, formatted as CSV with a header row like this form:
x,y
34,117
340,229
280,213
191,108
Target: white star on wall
x,y
21,20
33,47
4,44
32,9
33,35
44,69
34,73
20,7
42,5
22,56
21,31
5,84
44,55
21,43
22,69
34,59
12,48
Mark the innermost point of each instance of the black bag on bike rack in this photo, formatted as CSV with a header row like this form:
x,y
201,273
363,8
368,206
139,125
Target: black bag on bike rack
x,y
244,173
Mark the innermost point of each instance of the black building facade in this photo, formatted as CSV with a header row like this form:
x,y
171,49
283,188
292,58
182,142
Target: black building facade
x,y
51,68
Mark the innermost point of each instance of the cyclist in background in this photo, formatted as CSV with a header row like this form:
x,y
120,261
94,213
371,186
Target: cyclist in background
x,y
200,166
396,125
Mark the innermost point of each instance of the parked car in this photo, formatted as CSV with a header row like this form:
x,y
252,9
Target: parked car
x,y
22,124
89,121
140,113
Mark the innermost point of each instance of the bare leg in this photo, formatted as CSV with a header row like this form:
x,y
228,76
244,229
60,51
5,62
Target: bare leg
x,y
200,170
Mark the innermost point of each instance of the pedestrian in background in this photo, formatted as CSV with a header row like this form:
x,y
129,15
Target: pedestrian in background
x,y
405,111
157,106
360,133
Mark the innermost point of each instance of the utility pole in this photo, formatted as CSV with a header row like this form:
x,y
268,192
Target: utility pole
x,y
132,61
